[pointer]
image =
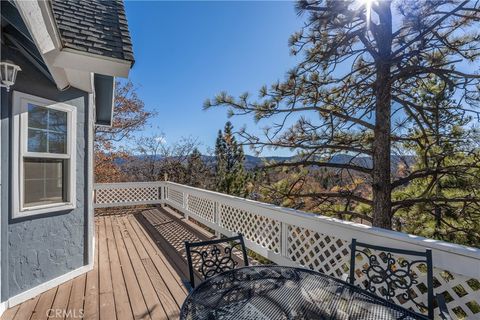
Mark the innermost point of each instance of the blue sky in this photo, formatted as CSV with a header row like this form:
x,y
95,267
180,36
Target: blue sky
x,y
188,51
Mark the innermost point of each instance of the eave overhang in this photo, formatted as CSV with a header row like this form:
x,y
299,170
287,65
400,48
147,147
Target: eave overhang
x,y
68,67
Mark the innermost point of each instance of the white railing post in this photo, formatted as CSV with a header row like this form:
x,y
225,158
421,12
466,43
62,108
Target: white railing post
x,y
217,217
185,205
160,193
164,194
284,240
163,197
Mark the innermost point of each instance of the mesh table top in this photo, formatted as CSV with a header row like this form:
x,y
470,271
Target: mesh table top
x,y
276,292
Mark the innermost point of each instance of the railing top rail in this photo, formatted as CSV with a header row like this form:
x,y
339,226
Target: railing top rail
x,y
448,256
309,218
126,184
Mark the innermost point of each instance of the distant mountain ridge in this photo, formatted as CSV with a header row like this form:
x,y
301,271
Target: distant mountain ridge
x,y
252,162
368,161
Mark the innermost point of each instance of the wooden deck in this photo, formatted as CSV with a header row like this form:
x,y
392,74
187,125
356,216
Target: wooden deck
x,y
139,272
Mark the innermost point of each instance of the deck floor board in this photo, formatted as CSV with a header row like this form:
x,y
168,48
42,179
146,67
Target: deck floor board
x,y
92,305
120,294
44,304
134,276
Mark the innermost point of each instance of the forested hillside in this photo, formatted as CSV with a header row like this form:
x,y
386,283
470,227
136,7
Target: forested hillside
x,y
381,119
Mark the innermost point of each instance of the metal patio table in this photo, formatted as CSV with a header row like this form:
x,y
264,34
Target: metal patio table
x,y
277,292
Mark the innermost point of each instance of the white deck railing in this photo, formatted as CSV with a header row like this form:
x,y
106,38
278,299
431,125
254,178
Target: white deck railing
x,y
127,194
291,237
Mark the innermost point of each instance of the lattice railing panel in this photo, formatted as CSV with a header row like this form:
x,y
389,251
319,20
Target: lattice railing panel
x,y
317,251
256,228
202,207
330,255
303,239
175,196
461,293
127,195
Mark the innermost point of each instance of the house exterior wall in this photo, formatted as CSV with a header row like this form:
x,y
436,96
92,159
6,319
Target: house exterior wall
x,y
40,248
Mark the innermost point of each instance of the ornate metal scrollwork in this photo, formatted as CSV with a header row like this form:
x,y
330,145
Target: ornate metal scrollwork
x,y
391,277
214,261
216,256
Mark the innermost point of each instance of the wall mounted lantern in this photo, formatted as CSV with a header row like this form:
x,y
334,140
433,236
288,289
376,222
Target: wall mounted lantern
x,y
8,74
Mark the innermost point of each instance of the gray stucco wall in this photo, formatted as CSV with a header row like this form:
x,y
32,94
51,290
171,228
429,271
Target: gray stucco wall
x,y
39,248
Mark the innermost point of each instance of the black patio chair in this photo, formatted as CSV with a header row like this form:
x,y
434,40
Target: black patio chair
x,y
388,276
215,258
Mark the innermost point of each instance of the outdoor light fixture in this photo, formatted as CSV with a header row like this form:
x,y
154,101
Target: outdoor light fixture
x,y
8,74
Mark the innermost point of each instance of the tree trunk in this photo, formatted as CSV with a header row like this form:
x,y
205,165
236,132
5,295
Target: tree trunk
x,y
381,187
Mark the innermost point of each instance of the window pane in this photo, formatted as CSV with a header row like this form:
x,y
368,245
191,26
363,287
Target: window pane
x,y
37,117
57,121
44,181
57,142
54,189
33,170
34,194
47,130
37,140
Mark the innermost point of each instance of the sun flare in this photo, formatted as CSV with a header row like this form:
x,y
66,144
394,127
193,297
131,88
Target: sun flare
x,y
368,7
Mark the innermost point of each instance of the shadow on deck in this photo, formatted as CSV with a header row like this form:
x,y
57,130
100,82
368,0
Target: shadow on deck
x,y
139,272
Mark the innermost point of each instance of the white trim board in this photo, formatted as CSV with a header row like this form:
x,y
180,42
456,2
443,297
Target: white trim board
x,y
21,297
37,25
84,61
20,116
38,20
2,304
3,307
90,170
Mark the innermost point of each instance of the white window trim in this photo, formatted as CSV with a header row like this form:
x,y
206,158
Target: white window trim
x,y
20,134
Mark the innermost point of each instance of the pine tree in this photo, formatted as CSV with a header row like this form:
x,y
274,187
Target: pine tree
x,y
352,91
442,203
197,172
231,177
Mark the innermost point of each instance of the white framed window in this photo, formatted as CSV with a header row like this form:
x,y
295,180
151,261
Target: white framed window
x,y
44,144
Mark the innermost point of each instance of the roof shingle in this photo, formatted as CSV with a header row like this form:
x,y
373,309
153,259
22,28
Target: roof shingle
x,y
95,26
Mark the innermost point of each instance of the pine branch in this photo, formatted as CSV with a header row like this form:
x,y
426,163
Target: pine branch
x,y
320,164
433,200
423,173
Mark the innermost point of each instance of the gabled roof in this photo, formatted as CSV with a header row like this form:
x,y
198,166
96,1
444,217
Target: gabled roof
x,y
97,27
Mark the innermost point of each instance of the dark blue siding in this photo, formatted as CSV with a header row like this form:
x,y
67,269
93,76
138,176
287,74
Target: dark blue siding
x,y
40,248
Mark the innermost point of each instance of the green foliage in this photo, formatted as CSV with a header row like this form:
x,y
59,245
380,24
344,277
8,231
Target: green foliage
x,y
451,210
198,173
231,176
369,86
442,201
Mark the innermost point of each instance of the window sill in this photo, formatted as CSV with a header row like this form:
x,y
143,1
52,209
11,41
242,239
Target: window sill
x,y
26,212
